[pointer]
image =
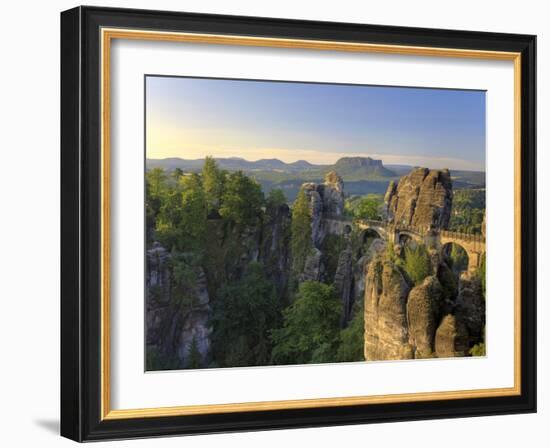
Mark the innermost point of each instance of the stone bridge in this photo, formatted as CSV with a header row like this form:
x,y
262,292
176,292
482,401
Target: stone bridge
x,y
474,245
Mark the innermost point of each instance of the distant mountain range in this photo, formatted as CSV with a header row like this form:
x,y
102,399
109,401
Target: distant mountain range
x,y
364,168
362,175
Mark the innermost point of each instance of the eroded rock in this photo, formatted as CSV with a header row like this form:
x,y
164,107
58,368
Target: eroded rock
x,y
386,331
422,199
423,312
451,338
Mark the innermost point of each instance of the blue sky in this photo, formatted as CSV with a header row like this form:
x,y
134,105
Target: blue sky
x,y
193,117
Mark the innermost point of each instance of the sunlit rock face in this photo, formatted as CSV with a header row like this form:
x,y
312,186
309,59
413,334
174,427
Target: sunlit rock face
x,y
326,203
386,330
423,199
451,338
423,306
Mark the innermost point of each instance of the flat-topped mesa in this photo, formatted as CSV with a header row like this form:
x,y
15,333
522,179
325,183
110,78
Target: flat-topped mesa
x,y
422,199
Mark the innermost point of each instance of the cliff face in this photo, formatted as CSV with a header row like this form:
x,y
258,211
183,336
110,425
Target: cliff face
x,y
386,330
274,247
422,198
423,307
178,299
176,321
441,316
326,203
424,321
326,206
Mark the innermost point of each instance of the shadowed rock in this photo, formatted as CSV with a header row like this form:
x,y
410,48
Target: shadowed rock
x,y
470,305
343,282
171,324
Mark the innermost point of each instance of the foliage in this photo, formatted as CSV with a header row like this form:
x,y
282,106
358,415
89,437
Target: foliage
x,y
417,263
364,207
155,187
481,274
213,180
276,198
390,252
333,245
155,360
457,258
177,173
243,313
300,242
352,339
181,220
468,211
184,275
448,282
242,199
478,349
310,333
195,358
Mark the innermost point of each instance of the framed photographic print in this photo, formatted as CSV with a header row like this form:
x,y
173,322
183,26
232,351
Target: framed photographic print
x,y
273,223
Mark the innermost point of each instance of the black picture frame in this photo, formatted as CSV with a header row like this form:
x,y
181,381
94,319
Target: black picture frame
x,y
81,224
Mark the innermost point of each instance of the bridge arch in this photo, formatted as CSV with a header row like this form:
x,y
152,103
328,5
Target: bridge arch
x,y
405,237
456,256
473,245
366,238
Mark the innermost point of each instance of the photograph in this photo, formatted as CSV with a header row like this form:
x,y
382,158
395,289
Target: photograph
x,y
293,223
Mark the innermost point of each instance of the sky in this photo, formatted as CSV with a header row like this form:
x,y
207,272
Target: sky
x,y
194,117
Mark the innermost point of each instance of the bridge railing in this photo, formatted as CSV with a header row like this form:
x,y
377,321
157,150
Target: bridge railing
x,y
372,222
471,237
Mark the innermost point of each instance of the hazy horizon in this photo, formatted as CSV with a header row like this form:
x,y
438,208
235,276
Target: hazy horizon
x,y
304,160
190,118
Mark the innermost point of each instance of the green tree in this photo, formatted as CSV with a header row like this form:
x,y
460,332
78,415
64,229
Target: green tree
x,y
300,242
243,313
195,358
177,173
368,208
417,263
352,339
276,198
458,258
468,211
310,333
213,182
481,274
478,349
181,223
242,199
155,191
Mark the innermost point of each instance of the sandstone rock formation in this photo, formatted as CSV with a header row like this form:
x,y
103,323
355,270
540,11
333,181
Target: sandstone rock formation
x,y
326,202
422,199
386,330
313,267
422,315
343,282
171,324
361,267
451,338
470,305
274,250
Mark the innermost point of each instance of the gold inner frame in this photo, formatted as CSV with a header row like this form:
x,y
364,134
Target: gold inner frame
x,y
107,35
